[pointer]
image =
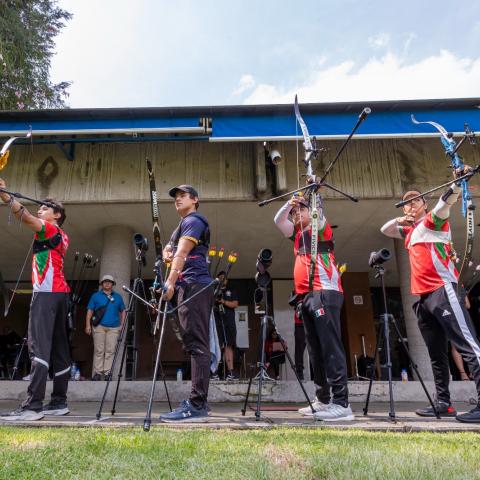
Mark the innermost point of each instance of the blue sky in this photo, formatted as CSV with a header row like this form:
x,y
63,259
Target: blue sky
x,y
121,53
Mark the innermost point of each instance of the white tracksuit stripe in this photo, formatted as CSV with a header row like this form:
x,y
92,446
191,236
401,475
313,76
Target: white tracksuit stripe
x,y
458,313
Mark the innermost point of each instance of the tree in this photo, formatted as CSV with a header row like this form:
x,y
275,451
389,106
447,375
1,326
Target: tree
x,y
27,32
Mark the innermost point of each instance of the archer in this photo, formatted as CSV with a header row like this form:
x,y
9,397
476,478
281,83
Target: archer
x,y
189,280
442,315
47,329
319,308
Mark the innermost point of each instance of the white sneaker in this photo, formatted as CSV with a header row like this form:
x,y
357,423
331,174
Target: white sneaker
x,y
56,410
22,415
335,413
317,405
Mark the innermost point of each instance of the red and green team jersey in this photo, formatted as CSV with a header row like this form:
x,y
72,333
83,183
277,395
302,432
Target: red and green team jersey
x,y
47,265
326,276
429,244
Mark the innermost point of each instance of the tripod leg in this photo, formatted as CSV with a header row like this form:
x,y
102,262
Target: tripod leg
x,y
115,356
166,388
386,320
415,367
292,365
148,417
372,374
120,375
262,369
244,409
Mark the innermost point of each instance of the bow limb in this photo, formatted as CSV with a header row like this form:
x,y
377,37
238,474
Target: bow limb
x,y
468,253
436,125
468,207
310,152
158,281
5,151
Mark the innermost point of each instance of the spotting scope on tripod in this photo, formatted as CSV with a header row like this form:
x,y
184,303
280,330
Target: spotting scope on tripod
x,y
376,261
263,279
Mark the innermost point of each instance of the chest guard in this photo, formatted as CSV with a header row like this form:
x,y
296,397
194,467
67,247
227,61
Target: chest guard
x,y
48,244
323,246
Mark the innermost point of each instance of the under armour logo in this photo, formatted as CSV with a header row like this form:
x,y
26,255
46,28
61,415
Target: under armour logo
x,y
320,312
446,313
187,414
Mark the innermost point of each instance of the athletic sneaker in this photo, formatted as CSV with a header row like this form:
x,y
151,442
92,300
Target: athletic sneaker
x,y
473,416
186,412
231,377
22,415
443,408
214,377
317,405
335,413
56,410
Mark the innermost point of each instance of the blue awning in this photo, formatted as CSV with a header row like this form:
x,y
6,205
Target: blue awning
x,y
381,124
389,119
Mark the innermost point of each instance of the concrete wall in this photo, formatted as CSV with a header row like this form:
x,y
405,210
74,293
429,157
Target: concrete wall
x,y
233,171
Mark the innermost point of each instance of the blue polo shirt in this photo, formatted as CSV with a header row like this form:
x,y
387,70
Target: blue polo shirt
x,y
112,314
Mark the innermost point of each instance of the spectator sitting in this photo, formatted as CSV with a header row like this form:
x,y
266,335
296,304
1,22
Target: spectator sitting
x,y
274,352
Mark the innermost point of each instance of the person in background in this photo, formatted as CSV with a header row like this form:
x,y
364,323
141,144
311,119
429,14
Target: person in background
x,y
110,306
226,302
275,354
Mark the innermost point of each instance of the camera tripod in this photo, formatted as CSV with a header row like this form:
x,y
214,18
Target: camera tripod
x,y
262,375
384,336
138,290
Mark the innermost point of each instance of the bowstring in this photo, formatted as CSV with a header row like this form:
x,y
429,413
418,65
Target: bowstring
x,y
14,291
20,275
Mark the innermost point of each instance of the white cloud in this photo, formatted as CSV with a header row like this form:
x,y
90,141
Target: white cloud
x,y
245,83
379,41
387,78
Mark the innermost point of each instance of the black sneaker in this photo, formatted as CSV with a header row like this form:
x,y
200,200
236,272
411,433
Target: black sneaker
x,y
22,415
473,416
214,377
231,377
186,412
56,410
97,377
444,409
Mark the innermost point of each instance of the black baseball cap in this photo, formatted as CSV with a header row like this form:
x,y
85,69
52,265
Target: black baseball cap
x,y
183,188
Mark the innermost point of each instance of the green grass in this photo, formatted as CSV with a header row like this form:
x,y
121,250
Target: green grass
x,y
38,453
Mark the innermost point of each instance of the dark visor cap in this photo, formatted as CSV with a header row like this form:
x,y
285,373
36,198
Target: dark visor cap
x,y
183,188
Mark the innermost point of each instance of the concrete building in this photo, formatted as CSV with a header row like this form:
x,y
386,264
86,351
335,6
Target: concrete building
x,y
94,161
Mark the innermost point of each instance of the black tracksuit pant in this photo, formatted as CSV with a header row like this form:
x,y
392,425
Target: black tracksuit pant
x,y
442,318
321,319
194,318
48,345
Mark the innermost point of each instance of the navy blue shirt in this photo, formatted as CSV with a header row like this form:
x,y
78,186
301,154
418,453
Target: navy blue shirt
x,y
194,227
111,318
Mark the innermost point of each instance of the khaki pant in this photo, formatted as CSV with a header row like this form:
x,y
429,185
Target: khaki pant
x,y
104,343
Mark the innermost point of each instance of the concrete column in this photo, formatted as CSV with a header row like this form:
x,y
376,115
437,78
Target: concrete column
x,y
283,314
116,260
116,257
417,347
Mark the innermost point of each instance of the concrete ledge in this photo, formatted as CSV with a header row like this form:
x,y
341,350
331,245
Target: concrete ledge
x,y
281,392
